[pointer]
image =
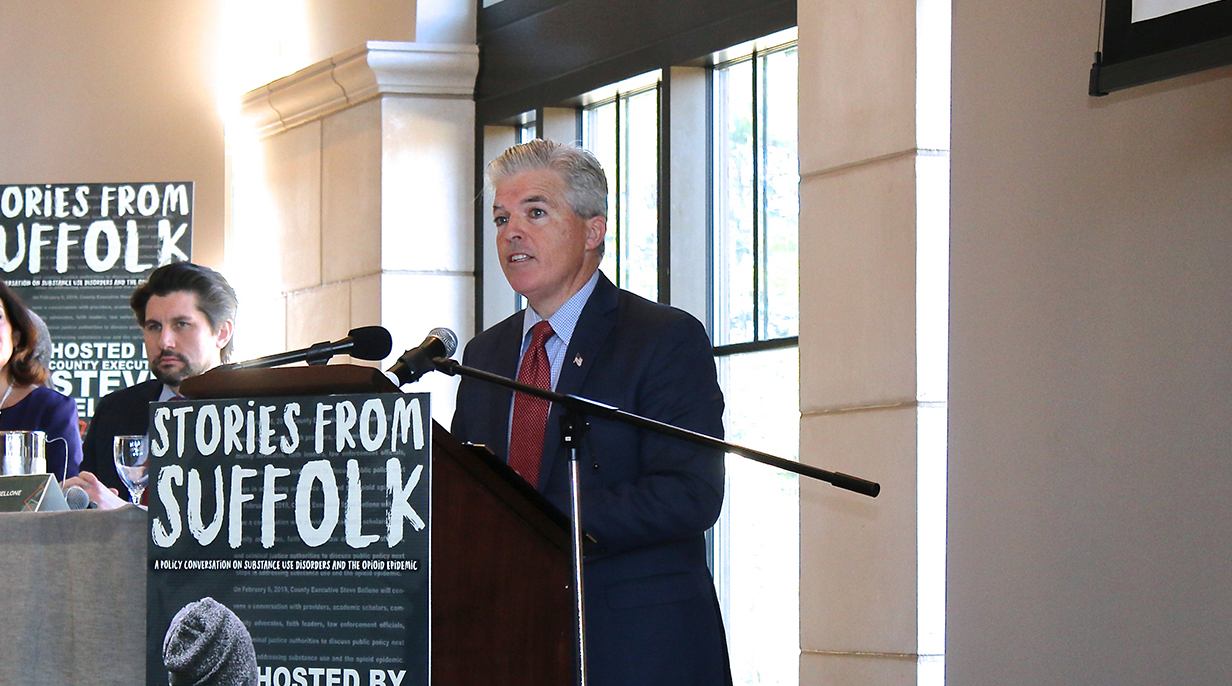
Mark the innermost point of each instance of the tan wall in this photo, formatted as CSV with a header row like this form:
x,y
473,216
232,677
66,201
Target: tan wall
x,y
1090,537
115,91
138,90
338,25
128,90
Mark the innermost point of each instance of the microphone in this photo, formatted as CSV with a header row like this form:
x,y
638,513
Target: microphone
x,y
416,362
365,343
78,499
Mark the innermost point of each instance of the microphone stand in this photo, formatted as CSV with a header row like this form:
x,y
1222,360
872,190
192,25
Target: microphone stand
x,y
594,408
574,426
315,355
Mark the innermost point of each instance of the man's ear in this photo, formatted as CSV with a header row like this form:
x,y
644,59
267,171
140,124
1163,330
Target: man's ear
x,y
223,337
596,231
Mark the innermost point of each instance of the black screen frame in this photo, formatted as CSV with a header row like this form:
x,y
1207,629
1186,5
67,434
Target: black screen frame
x,y
1137,53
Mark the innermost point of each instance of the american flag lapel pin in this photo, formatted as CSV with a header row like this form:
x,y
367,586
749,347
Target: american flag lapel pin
x,y
577,360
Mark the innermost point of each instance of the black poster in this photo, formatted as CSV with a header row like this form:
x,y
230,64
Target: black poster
x,y
74,253
305,519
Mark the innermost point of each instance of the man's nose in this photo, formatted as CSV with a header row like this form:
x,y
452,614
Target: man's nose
x,y
166,339
512,229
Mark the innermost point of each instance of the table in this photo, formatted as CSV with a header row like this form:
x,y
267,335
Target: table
x,y
72,597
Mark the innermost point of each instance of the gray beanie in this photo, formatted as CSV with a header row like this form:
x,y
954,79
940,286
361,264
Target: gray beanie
x,y
207,645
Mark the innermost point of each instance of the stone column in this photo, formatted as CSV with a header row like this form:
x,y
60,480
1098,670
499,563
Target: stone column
x,y
353,201
874,165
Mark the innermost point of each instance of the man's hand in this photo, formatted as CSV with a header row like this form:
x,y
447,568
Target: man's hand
x,y
105,498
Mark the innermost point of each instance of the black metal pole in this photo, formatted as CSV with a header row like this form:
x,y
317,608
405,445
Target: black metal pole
x,y
593,408
572,427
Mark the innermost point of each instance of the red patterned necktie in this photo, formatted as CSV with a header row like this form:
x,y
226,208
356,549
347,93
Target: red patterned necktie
x,y
530,414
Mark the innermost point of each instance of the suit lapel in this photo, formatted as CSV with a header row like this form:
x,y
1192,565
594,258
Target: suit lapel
x,y
596,322
510,338
141,411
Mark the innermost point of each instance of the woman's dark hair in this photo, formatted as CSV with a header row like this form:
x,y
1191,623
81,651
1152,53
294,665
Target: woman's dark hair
x,y
215,297
24,368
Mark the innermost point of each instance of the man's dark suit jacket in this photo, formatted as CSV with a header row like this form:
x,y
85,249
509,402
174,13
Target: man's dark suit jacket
x,y
652,616
125,412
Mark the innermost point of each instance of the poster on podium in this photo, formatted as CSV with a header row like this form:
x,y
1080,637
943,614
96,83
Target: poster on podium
x,y
290,536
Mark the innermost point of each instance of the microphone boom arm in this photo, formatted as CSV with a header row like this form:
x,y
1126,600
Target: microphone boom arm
x,y
365,343
597,409
573,425
318,353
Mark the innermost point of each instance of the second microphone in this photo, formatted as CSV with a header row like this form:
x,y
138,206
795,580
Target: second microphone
x,y
416,362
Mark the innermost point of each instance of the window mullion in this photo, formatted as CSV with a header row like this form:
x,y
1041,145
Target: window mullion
x,y
663,95
754,140
619,176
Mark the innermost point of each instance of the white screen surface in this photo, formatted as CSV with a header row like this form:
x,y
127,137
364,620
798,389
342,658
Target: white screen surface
x,y
1151,9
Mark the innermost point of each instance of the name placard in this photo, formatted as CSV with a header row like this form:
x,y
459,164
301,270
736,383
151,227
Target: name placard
x,y
306,518
31,493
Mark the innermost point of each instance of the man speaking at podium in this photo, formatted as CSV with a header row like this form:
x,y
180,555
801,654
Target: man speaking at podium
x,y
652,616
187,315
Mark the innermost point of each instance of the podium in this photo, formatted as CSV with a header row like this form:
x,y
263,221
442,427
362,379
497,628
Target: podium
x,y
502,604
499,562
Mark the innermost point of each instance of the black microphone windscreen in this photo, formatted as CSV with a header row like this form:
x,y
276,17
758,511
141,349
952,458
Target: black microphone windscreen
x,y
371,343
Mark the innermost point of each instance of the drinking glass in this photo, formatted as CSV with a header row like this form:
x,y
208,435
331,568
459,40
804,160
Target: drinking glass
x,y
131,457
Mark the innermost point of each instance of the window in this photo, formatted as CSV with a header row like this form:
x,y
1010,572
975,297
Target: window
x,y
526,128
757,204
727,161
755,307
757,539
622,129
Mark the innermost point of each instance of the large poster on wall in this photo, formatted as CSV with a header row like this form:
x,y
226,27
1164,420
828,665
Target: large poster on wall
x,y
289,538
74,252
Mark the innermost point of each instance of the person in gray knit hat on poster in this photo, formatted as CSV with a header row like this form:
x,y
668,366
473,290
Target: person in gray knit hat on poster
x,y
207,645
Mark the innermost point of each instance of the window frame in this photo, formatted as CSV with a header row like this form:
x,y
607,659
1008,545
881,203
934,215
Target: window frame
x,y
759,213
689,76
620,98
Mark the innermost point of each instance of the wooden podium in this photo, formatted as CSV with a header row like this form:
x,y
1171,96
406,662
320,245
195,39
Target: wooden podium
x,y
502,599
500,574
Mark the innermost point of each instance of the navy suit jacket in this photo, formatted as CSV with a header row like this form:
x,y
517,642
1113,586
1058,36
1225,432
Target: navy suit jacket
x,y
652,616
125,412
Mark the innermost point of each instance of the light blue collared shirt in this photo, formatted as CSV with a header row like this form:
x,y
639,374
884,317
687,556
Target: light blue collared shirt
x,y
563,322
